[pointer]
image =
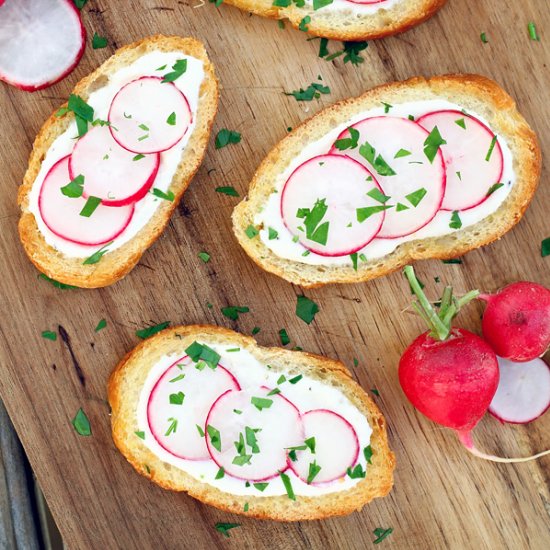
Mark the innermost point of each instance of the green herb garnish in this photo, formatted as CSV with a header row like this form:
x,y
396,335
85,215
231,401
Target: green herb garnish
x,y
201,352
288,486
179,68
101,325
74,188
357,472
225,137
493,188
416,197
491,148
150,331
90,207
81,423
284,337
348,142
314,90
167,196
96,256
176,398
314,469
368,211
98,42
315,230
232,312
204,256
228,190
141,435
306,309
368,152
432,144
261,402
456,222
381,534
49,335
224,528
215,438
251,232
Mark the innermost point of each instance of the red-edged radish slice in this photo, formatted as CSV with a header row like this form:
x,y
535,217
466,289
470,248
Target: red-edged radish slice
x,y
41,42
61,214
112,173
272,420
523,392
473,158
417,185
180,402
336,447
149,116
339,185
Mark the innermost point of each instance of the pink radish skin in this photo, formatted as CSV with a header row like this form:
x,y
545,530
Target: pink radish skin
x,y
140,112
280,427
516,321
469,174
344,184
388,135
61,214
523,393
31,30
449,374
201,389
110,171
336,446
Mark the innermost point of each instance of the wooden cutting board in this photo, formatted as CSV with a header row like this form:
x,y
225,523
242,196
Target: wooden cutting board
x,y
443,498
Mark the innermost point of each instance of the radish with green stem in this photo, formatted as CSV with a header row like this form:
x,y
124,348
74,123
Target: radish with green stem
x,y
450,374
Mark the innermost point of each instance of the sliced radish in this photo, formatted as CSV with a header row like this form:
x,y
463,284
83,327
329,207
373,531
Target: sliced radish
x,y
339,186
41,42
275,426
62,214
149,116
336,447
523,392
417,185
181,398
473,160
112,173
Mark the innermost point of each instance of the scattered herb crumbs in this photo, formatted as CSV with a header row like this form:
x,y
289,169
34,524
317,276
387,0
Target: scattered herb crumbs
x,y
533,34
368,211
368,152
179,68
225,137
81,423
49,335
255,330
314,90
141,435
315,230
98,42
314,469
281,24
416,197
452,261
80,3
381,534
245,507
74,188
355,362
167,196
357,472
354,259
227,190
251,232
220,473
150,331
375,391
261,402
296,379
461,122
318,4
402,153
260,486
288,486
171,120
203,353
215,438
387,107
55,283
272,233
96,256
204,256
367,453
493,188
284,337
352,51
348,142
306,309
432,144
323,47
545,247
483,37
224,528
101,325
304,23
161,68
90,206
138,157
491,148
176,398
456,222
232,312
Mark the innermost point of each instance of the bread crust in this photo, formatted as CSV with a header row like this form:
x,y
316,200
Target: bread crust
x,y
337,26
116,264
124,388
474,92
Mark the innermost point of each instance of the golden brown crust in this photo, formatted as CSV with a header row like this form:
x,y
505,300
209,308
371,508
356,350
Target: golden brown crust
x,y
115,265
347,26
124,388
473,92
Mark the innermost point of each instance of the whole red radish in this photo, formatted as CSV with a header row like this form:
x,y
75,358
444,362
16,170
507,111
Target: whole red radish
x,y
450,374
516,321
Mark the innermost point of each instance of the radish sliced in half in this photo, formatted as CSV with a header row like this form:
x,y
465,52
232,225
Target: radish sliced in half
x,y
112,173
473,159
336,447
248,432
62,216
523,392
41,42
320,202
149,116
416,186
180,402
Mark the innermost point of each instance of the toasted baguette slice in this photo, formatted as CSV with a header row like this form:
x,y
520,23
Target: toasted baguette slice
x,y
116,264
474,93
345,23
128,378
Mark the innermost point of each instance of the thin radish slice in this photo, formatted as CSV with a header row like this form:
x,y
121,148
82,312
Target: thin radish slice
x,y
414,184
41,42
335,444
112,173
473,158
179,404
149,116
62,216
249,430
523,392
322,201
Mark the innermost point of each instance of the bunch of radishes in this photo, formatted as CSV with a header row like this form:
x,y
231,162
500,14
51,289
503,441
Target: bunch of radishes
x,y
454,376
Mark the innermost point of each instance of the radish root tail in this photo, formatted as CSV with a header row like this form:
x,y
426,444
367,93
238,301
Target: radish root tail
x,y
468,442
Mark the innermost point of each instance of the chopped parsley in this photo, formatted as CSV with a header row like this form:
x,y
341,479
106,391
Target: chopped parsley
x,y
167,196
314,90
483,37
432,144
74,188
380,533
101,325
452,261
150,331
288,486
284,337
374,390
201,352
348,142
220,473
545,247
402,153
179,68
176,398
312,218
261,402
491,148
493,188
533,31
96,256
368,211
204,256
461,122
305,22
416,197
368,152
171,120
296,379
251,232
354,260
272,233
55,283
456,222
255,330
387,107
357,472
49,335
224,528
98,42
215,438
90,207
232,312
318,4
225,137
82,111
81,424
260,486
367,451
141,435
228,190
306,309
138,157
378,196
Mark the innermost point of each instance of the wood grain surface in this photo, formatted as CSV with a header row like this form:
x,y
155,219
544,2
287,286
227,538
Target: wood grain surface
x,y
443,498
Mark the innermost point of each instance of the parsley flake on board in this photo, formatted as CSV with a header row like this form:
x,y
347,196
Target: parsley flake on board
x,y
306,309
432,144
381,533
227,190
98,42
533,31
201,352
204,256
368,152
178,68
74,188
81,424
255,330
225,137
452,261
101,325
232,312
375,391
348,142
90,207
284,337
150,331
55,283
312,218
545,247
456,222
224,528
483,37
49,335
314,90
96,256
